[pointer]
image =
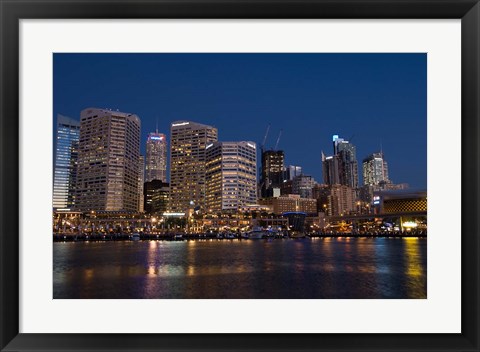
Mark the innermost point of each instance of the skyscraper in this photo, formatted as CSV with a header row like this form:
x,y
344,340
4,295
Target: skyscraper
x,y
330,166
156,159
66,153
348,166
273,165
108,158
342,167
231,175
188,141
375,170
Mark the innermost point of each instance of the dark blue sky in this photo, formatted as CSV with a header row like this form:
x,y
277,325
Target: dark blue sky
x,y
377,99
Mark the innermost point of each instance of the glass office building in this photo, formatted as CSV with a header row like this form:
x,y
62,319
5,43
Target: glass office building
x,y
66,155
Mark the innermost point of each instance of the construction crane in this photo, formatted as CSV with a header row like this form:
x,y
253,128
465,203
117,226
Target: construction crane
x,y
265,138
278,139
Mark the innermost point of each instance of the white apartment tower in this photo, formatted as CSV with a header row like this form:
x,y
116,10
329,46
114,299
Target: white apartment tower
x,y
375,169
231,175
108,161
188,141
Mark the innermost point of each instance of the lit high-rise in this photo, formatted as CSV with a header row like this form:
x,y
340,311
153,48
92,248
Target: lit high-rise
x,y
188,141
108,161
231,175
375,170
156,158
66,153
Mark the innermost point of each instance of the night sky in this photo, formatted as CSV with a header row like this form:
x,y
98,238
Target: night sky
x,y
373,100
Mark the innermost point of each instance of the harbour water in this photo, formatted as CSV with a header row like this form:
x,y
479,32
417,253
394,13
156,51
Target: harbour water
x,y
318,268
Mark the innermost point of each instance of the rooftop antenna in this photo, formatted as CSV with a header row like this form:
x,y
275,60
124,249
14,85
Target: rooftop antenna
x,y
156,128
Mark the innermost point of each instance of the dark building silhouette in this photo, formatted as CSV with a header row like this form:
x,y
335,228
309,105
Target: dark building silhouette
x,y
273,165
156,196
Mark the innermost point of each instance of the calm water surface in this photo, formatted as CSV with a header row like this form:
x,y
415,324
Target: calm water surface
x,y
288,268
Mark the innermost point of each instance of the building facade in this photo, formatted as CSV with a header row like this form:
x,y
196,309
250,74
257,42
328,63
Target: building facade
x,y
375,170
291,171
342,167
273,165
303,186
108,158
188,142
341,201
231,175
141,181
66,155
156,157
291,202
156,196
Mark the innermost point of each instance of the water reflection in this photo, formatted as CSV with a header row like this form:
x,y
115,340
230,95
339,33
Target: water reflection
x,y
300,268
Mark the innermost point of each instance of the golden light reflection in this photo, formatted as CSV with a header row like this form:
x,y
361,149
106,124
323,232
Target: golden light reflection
x,y
88,274
151,270
412,252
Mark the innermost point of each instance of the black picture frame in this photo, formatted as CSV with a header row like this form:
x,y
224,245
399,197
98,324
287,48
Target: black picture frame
x,y
12,11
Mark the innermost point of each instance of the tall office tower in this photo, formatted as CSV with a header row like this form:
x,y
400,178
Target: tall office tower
x,y
231,175
141,180
156,161
342,167
330,169
303,185
188,141
375,170
346,152
108,157
66,153
273,165
291,171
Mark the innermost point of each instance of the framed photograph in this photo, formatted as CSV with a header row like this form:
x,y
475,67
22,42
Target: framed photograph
x,y
239,175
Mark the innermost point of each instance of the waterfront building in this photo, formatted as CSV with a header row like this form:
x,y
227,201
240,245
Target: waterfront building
x,y
156,157
273,164
66,154
156,195
341,201
141,181
291,172
303,186
387,202
108,158
291,202
231,175
321,192
188,141
375,169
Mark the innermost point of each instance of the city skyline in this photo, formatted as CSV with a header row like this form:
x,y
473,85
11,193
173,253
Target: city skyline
x,y
412,150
